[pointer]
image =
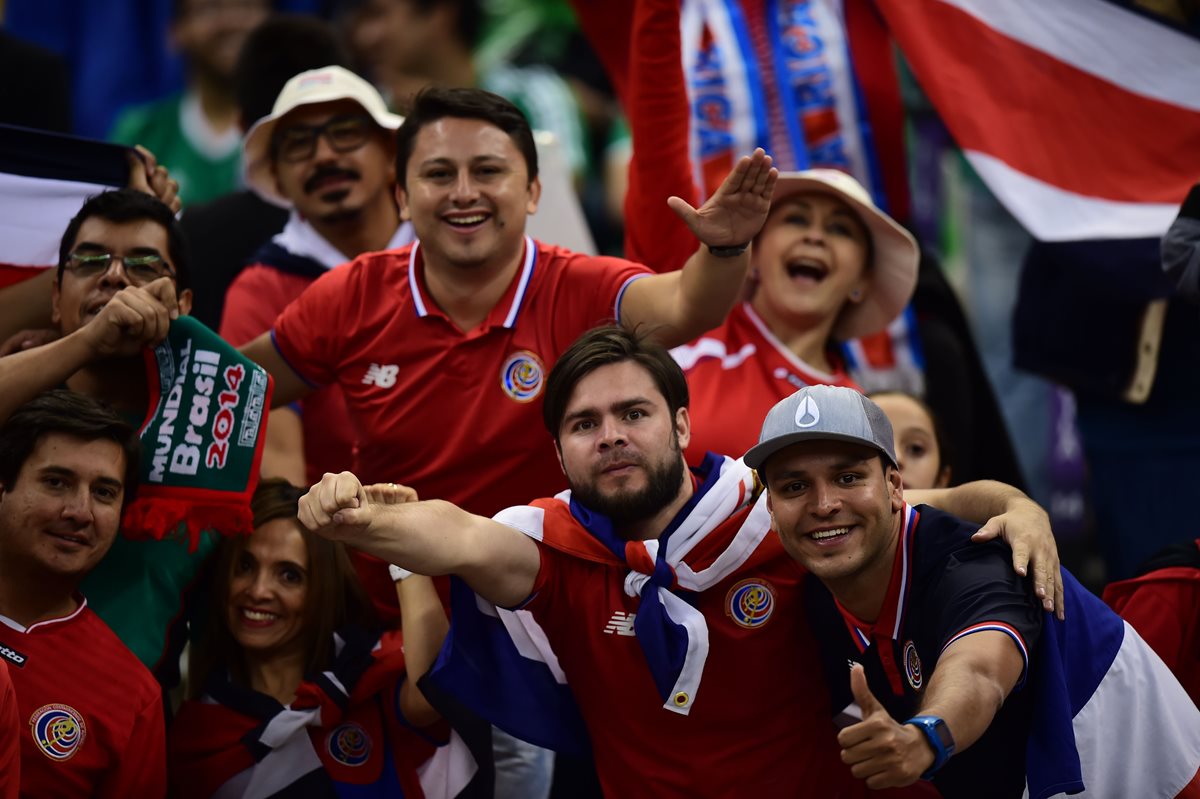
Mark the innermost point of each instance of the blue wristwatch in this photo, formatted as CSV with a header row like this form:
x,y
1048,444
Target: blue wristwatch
x,y
940,739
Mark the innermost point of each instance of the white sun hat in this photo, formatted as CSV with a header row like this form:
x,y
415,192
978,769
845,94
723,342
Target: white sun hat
x,y
324,85
893,267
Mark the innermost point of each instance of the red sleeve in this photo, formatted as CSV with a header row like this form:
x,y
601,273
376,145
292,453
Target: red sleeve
x,y
545,584
638,42
658,112
586,292
608,28
143,770
10,738
250,305
310,333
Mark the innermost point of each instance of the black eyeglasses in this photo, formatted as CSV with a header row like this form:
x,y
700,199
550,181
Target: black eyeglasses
x,y
344,134
139,269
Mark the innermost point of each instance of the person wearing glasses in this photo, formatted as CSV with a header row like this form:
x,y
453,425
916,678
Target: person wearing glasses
x,y
326,153
123,275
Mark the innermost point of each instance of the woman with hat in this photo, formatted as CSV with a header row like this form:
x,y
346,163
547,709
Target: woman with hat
x,y
827,266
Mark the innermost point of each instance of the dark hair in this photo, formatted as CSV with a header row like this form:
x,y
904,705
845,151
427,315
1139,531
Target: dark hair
x,y
432,104
276,51
468,18
606,345
71,414
121,206
334,599
945,447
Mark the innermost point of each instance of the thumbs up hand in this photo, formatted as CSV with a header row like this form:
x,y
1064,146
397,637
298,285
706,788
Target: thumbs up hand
x,y
879,749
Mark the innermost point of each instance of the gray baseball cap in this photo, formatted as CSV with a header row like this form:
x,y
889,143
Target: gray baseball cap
x,y
823,413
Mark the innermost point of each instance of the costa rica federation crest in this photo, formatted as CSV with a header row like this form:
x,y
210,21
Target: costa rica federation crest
x,y
349,744
58,731
522,376
750,603
912,666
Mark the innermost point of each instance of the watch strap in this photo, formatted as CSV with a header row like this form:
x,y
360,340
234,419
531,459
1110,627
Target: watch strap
x,y
728,252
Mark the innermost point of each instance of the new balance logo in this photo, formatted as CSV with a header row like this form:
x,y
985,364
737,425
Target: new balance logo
x,y
382,376
621,623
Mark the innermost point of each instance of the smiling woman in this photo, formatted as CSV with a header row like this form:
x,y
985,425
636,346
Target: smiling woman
x,y
828,266
294,660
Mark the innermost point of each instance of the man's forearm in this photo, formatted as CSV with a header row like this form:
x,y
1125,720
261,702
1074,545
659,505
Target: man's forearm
x,y
24,375
709,286
975,502
972,679
437,538
679,306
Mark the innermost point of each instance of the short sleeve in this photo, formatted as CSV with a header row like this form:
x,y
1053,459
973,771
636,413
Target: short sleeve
x,y
310,334
588,293
249,310
978,590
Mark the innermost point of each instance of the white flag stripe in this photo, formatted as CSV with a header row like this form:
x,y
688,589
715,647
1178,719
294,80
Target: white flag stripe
x,y
1053,214
1098,37
1165,729
33,214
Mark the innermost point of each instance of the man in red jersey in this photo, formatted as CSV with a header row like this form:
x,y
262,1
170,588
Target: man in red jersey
x,y
91,715
656,597
441,348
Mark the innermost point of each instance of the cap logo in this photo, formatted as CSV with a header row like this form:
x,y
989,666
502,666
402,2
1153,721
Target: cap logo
x,y
808,414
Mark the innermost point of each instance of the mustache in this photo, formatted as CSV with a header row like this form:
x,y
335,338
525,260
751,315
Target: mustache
x,y
619,457
325,172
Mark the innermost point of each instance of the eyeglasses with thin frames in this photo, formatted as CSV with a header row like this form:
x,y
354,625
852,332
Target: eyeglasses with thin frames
x,y
139,269
344,134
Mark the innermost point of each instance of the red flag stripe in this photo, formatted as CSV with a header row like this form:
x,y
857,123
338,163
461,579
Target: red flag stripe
x,y
1103,38
1048,119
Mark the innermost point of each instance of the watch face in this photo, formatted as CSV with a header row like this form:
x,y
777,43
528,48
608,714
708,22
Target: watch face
x,y
943,734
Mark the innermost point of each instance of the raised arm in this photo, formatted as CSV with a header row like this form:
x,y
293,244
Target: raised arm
x,y
1007,513
433,538
681,305
973,677
423,621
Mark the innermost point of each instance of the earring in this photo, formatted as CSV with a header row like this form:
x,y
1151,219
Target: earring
x,y
856,294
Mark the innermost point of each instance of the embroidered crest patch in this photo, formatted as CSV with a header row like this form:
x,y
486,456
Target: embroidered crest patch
x,y
522,376
349,744
750,603
58,731
912,666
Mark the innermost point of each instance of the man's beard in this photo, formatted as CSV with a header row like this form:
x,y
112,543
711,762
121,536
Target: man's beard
x,y
626,507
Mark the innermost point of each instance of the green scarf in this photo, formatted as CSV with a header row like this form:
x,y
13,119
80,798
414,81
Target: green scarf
x,y
202,438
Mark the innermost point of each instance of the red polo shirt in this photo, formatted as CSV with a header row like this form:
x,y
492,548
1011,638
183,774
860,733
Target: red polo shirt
x,y
455,414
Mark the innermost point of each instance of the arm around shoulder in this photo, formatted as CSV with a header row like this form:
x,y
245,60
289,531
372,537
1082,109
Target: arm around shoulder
x,y
1007,513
